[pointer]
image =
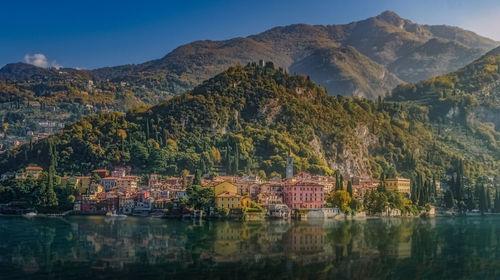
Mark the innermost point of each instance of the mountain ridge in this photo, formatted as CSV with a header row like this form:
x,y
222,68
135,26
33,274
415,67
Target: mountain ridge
x,y
384,39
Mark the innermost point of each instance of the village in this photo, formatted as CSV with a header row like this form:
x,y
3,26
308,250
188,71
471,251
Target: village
x,y
117,193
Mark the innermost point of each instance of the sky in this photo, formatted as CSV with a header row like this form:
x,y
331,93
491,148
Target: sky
x,y
90,34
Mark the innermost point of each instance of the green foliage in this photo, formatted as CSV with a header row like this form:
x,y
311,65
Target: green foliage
x,y
200,198
246,120
342,200
379,201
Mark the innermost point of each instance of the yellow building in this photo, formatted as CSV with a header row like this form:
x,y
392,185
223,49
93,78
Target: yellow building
x,y
228,200
401,185
225,187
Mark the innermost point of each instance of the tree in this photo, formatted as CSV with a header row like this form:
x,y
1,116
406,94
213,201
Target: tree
x,y
349,188
184,176
496,202
197,177
376,201
449,201
482,199
342,199
262,175
200,198
48,196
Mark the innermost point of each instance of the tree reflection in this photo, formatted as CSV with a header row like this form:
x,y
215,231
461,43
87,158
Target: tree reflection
x,y
83,247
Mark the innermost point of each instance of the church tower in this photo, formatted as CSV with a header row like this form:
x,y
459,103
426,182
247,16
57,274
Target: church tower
x,y
289,166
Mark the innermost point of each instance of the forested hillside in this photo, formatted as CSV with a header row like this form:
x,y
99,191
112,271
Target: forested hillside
x,y
248,119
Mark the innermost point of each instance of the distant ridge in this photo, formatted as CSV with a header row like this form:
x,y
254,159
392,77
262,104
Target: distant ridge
x,y
381,52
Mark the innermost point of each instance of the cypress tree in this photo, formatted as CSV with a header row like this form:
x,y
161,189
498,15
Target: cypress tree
x,y
449,201
197,178
236,158
337,181
51,195
496,202
488,199
482,199
349,187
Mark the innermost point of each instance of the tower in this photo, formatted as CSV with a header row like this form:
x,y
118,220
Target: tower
x,y
289,166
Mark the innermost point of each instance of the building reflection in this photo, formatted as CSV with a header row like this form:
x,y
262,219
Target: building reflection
x,y
104,245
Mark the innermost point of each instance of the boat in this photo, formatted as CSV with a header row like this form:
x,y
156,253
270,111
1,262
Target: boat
x,y
114,215
30,214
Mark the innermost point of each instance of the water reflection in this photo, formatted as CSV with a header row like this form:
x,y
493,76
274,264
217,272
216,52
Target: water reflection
x,y
97,247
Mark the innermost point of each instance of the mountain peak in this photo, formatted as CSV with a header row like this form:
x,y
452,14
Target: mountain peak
x,y
390,17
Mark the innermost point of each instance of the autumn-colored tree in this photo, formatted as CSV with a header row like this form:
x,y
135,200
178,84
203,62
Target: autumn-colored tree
x,y
342,199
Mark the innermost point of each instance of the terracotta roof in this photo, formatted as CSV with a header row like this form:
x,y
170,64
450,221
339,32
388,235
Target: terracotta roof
x,y
34,168
228,194
110,178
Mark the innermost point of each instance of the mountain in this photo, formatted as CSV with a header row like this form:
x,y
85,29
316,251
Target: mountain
x,y
366,58
248,119
468,94
399,49
467,99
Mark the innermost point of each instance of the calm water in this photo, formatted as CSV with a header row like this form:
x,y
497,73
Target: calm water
x,y
145,248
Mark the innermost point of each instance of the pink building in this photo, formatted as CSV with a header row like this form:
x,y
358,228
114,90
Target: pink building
x,y
303,195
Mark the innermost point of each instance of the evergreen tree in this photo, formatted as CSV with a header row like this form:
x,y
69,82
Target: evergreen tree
x,y
197,178
349,187
337,181
51,195
496,202
236,158
482,199
449,201
488,199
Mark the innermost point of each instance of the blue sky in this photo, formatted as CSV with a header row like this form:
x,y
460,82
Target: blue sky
x,y
90,34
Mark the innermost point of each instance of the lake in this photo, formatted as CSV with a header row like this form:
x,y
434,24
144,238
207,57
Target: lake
x,y
147,248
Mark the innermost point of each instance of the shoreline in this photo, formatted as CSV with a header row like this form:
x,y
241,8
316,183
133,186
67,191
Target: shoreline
x,y
336,218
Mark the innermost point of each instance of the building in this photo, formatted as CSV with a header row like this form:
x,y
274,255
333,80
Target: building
x,y
361,186
127,182
35,171
109,183
82,183
303,195
228,200
119,172
225,187
279,211
126,204
401,185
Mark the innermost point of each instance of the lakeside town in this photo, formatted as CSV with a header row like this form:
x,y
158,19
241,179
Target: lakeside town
x,y
118,193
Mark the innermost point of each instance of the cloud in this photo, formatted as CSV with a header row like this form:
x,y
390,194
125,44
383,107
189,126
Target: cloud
x,y
40,60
